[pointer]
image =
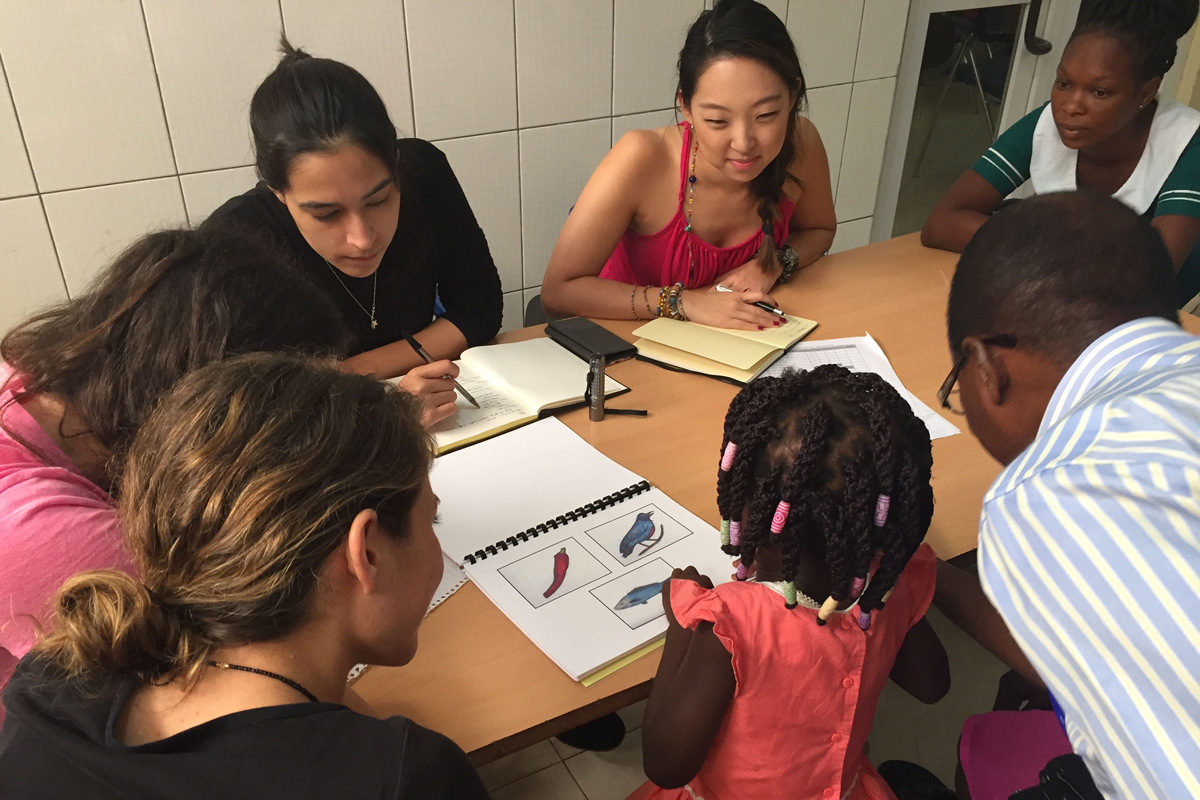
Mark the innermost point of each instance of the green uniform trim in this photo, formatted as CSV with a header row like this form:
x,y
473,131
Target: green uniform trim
x,y
1005,165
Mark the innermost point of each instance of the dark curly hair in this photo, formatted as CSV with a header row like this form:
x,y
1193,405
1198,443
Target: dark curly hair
x,y
1148,30
829,442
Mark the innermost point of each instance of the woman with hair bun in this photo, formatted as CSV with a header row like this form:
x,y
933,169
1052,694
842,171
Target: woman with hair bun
x,y
380,224
78,380
280,517
1106,129
737,195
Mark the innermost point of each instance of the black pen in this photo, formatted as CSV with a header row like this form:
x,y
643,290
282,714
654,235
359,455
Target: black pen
x,y
415,345
628,412
760,304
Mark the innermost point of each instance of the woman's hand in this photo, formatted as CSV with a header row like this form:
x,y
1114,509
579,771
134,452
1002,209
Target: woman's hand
x,y
751,277
729,309
690,574
433,384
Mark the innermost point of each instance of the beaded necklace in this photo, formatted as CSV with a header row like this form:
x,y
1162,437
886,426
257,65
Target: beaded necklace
x,y
374,289
687,214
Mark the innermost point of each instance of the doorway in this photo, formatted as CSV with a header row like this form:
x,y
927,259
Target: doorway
x,y
968,70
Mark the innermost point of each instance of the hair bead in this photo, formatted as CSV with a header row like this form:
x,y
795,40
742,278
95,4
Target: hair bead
x,y
724,533
882,504
781,515
735,531
789,594
728,456
856,586
827,608
864,619
743,572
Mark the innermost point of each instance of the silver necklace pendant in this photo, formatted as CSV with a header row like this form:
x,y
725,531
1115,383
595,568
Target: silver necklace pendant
x,y
374,324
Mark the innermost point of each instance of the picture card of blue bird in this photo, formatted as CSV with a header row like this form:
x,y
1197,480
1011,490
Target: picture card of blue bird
x,y
571,546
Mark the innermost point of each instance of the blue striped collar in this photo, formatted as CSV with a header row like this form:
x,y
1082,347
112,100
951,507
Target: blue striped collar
x,y
1102,358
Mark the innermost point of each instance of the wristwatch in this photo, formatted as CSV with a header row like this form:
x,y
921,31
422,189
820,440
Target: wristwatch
x,y
790,260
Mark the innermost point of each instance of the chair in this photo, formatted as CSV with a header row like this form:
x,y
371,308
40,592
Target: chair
x,y
964,31
534,313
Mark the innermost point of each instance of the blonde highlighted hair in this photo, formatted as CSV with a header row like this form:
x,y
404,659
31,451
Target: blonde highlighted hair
x,y
237,489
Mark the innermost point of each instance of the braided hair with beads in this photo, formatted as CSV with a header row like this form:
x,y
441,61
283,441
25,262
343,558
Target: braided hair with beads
x,y
1148,30
828,442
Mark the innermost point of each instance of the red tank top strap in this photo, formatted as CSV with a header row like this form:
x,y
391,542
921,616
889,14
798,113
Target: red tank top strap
x,y
683,158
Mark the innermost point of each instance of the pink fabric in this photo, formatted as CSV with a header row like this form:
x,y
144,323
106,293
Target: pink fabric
x,y
806,694
54,522
1005,751
661,259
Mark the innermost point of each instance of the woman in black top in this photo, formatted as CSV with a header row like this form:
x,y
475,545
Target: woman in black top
x,y
280,517
381,225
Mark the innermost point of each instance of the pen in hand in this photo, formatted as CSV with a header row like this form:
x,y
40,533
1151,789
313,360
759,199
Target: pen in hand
x,y
415,345
759,304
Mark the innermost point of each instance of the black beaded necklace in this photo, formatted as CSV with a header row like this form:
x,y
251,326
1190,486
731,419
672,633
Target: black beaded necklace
x,y
222,665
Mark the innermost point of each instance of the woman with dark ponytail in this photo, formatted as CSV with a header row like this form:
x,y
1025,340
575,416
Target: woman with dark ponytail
x,y
380,224
737,195
280,518
1105,128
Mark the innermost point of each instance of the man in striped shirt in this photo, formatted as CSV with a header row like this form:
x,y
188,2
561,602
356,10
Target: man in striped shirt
x,y
1074,372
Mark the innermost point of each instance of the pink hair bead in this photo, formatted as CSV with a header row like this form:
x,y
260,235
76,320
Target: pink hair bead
x,y
742,572
856,587
735,532
727,457
781,515
864,619
882,504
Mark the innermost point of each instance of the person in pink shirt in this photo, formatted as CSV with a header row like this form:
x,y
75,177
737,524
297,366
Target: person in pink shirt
x,y
78,380
737,195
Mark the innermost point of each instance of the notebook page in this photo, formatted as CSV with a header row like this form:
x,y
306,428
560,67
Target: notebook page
x,y
538,373
711,343
497,411
782,336
499,487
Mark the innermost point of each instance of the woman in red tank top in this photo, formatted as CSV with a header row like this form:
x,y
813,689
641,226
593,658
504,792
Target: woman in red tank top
x,y
738,194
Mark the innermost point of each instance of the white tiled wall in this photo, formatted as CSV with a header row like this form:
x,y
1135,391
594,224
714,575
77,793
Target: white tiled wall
x,y
120,116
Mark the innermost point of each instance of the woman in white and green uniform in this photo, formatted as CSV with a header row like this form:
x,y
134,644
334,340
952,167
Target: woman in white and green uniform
x,y
1106,129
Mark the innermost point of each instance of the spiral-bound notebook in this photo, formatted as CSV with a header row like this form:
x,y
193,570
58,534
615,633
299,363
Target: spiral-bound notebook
x,y
570,545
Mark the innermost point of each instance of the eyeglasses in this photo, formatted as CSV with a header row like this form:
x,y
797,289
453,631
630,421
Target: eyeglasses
x,y
948,386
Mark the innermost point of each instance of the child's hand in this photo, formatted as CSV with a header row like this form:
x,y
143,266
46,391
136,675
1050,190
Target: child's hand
x,y
689,574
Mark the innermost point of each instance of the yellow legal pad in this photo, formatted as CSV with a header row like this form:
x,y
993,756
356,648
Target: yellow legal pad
x,y
721,352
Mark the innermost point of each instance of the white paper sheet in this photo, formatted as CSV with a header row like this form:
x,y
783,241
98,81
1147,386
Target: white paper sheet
x,y
860,354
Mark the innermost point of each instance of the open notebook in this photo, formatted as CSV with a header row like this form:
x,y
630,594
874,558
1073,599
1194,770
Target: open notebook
x,y
570,545
720,352
514,383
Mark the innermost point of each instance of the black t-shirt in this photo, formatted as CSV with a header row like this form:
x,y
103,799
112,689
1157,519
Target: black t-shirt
x,y
58,741
442,253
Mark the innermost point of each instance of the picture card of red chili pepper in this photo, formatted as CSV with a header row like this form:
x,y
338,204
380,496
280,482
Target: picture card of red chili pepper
x,y
553,572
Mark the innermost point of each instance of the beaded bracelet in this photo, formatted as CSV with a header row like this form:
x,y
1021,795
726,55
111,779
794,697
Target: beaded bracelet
x,y
672,298
632,307
646,300
662,302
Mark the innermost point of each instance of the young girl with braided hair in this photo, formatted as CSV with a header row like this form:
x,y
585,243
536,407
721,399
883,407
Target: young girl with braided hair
x,y
768,685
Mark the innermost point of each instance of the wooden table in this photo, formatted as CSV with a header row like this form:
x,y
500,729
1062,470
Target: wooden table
x,y
480,681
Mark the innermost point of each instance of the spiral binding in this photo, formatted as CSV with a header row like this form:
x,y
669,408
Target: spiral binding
x,y
562,519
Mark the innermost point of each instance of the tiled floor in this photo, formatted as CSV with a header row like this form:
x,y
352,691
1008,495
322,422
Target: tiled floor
x,y
904,729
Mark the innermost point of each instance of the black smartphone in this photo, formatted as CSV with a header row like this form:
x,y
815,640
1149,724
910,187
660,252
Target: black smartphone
x,y
585,338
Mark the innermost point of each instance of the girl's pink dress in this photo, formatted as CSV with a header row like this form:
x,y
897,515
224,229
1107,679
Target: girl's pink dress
x,y
661,259
54,522
806,694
